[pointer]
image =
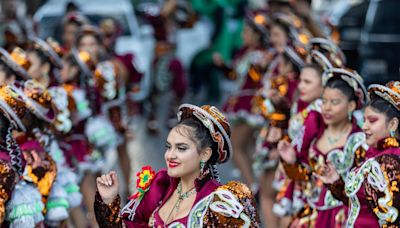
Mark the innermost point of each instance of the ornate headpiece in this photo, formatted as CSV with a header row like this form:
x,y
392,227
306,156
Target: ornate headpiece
x,y
321,59
12,106
352,78
329,50
55,46
215,122
38,101
50,49
16,62
260,22
83,60
389,92
297,55
297,30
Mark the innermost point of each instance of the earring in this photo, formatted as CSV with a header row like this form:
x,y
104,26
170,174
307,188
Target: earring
x,y
202,168
392,133
349,115
45,75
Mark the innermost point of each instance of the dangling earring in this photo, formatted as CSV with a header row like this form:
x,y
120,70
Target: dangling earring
x,y
349,115
45,75
202,168
392,133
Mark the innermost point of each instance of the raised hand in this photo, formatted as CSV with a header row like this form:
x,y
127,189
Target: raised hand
x,y
108,186
32,158
286,151
329,174
274,134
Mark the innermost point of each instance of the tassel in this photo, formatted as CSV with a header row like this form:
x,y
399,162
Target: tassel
x,y
14,151
69,180
57,204
56,153
25,206
215,172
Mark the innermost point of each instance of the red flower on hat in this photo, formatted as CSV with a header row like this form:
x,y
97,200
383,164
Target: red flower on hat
x,y
143,182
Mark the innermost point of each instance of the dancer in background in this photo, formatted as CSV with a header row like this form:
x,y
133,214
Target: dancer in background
x,y
248,69
344,92
109,85
368,187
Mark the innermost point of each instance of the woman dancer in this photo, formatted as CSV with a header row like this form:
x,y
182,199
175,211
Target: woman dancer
x,y
369,187
343,94
188,193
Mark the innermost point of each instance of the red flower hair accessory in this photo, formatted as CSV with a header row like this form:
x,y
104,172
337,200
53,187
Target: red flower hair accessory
x,y
145,177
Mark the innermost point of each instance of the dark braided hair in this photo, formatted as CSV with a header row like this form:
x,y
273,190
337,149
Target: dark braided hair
x,y
14,151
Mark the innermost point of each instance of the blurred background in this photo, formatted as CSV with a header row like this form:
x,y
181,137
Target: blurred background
x,y
368,31
188,43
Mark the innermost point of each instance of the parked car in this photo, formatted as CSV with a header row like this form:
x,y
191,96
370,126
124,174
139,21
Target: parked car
x,y
134,39
380,42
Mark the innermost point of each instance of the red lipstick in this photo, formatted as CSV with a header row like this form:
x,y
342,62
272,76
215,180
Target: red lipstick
x,y
173,164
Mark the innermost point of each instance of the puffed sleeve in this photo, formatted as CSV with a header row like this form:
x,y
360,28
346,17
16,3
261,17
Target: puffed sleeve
x,y
382,189
231,205
138,210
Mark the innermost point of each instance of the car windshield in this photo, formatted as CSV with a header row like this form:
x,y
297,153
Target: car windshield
x,y
386,18
49,25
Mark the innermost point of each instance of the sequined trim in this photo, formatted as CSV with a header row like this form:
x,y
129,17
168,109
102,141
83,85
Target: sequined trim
x,y
107,215
378,180
297,171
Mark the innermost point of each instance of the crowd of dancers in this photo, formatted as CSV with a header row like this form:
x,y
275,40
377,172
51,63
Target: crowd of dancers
x,y
314,144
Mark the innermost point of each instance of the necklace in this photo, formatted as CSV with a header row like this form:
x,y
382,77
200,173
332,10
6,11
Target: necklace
x,y
333,140
181,197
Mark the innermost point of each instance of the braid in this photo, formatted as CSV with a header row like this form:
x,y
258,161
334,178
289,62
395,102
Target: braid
x,y
214,172
14,151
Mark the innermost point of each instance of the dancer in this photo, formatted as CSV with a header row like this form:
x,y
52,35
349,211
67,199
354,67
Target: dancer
x,y
368,186
188,193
